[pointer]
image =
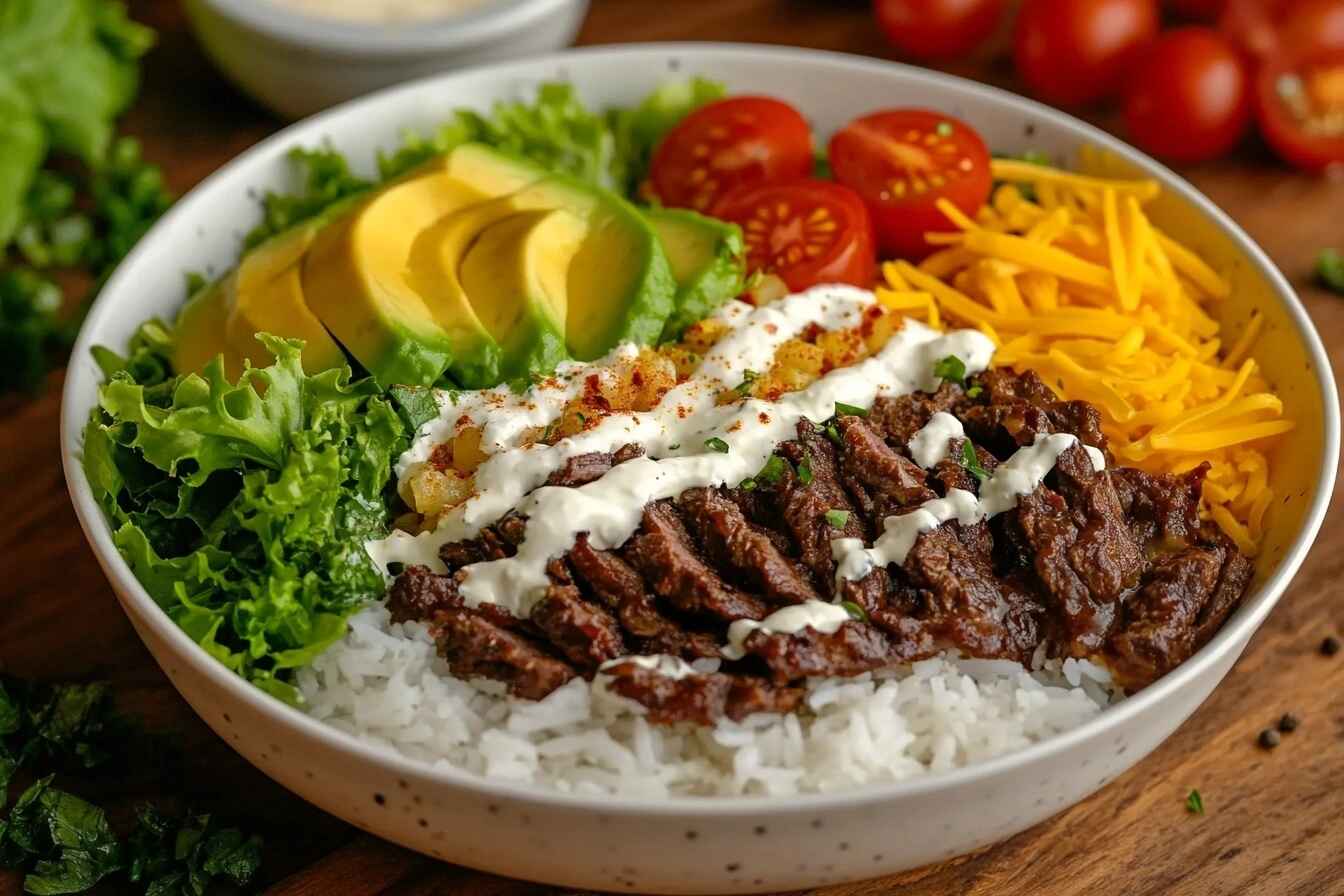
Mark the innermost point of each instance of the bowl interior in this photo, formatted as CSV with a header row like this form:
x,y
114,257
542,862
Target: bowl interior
x,y
203,232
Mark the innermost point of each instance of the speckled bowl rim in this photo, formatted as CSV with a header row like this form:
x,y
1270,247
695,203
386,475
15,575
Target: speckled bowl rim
x,y
76,401
493,20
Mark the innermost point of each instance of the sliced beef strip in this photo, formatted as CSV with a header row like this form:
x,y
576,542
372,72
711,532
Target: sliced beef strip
x,y
418,593
494,543
900,417
1003,385
1158,633
852,649
475,646
803,506
616,584
699,699
1233,581
868,459
1106,554
732,543
891,610
586,633
965,604
582,469
1162,510
662,552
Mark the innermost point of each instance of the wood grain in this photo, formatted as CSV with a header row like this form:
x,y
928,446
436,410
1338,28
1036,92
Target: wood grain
x,y
1275,820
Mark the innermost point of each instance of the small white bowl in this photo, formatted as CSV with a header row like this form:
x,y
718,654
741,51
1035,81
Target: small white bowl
x,y
713,844
297,64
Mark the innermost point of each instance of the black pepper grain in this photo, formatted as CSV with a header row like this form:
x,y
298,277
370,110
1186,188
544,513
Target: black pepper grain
x,y
1330,646
1289,723
1269,739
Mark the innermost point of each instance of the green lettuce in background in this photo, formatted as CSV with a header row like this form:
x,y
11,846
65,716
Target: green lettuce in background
x,y
243,507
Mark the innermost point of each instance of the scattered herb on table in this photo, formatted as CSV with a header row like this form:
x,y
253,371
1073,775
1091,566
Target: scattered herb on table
x,y
971,461
1194,803
1330,270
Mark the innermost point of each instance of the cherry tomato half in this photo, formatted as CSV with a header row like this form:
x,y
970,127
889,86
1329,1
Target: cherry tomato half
x,y
727,144
902,161
1299,102
938,29
1189,96
1075,52
1267,29
804,231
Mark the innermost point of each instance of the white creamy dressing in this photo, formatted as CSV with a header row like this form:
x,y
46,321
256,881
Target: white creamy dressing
x,y
662,663
816,614
674,435
930,445
382,11
1017,476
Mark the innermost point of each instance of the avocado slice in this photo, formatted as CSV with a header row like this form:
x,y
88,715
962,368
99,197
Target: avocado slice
x,y
198,334
708,262
268,298
354,279
620,287
516,273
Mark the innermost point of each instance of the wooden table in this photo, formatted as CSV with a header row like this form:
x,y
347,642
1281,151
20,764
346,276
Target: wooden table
x,y
1275,822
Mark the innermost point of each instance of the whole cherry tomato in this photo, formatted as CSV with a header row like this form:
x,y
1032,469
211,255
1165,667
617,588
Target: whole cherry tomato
x,y
938,29
805,232
1189,96
1267,29
902,161
1075,52
730,143
1201,10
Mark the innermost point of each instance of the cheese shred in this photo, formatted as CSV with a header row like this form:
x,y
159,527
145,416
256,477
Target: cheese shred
x,y
1071,279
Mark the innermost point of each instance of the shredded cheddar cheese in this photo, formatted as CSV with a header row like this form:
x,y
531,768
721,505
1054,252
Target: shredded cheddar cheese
x,y
1080,286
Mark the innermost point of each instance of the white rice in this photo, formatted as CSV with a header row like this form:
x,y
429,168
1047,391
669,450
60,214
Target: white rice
x,y
385,684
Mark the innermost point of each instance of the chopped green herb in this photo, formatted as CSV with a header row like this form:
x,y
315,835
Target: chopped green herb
x,y
416,406
583,419
832,433
171,856
944,129
805,470
747,485
952,369
1330,270
971,461
1036,157
854,610
849,410
773,471
743,389
1194,803
716,444
837,518
975,391
676,446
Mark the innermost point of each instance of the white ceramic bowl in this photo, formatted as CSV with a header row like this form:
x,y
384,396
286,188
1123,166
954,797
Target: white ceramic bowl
x,y
712,844
297,65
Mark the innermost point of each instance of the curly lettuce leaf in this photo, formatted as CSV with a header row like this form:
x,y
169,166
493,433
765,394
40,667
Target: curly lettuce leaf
x,y
638,130
243,508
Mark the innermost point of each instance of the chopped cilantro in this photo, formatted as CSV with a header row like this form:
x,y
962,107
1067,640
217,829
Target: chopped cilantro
x,y
743,389
832,433
854,610
971,461
773,471
849,410
944,129
1330,270
1194,803
747,485
837,518
952,369
805,470
717,444
975,391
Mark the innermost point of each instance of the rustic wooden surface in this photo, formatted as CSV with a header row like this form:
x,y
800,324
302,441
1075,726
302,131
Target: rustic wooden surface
x,y
1275,822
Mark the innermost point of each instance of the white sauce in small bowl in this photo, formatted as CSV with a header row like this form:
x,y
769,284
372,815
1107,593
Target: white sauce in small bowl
x,y
381,12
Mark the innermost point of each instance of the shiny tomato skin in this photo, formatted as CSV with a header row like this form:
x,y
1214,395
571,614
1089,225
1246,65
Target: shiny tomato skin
x,y
1282,129
938,29
1189,98
806,232
730,143
902,161
1268,29
1076,52
1310,25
